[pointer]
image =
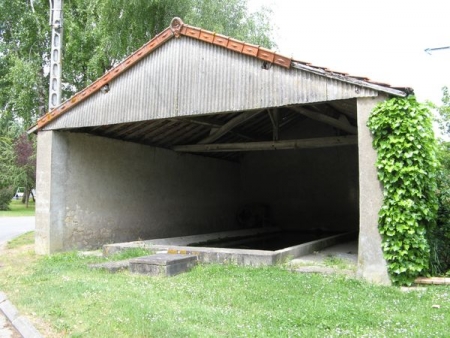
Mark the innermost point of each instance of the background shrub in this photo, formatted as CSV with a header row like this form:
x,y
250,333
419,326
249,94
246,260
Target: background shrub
x,y
6,194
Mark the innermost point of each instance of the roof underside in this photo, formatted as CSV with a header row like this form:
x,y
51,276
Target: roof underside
x,y
237,132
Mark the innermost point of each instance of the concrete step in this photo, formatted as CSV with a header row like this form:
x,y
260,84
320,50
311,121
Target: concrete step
x,y
163,264
112,266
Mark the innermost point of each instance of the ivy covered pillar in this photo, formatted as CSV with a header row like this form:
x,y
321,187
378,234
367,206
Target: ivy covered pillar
x,y
371,263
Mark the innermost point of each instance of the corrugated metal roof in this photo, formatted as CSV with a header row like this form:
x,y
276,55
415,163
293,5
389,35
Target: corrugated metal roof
x,y
189,78
175,70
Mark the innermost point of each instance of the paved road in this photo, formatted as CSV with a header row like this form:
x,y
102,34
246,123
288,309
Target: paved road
x,y
11,227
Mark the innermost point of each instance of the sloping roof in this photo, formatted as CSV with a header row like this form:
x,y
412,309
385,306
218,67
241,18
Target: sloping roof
x,y
178,29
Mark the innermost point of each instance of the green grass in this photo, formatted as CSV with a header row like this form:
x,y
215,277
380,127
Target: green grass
x,y
18,209
338,263
214,301
25,239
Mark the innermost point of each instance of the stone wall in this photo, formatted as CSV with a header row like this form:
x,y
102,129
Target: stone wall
x,y
116,191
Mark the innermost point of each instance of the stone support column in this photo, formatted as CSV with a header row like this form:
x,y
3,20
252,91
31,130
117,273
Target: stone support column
x,y
371,263
50,183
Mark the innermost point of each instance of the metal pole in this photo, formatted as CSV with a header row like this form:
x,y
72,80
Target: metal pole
x,y
429,50
56,15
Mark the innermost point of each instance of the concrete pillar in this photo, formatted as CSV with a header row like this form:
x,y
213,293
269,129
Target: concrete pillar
x,y
50,183
371,263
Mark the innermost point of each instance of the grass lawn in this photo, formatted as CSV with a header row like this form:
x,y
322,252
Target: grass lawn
x,y
18,209
66,299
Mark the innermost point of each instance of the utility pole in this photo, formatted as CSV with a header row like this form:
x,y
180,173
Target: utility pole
x,y
56,21
429,50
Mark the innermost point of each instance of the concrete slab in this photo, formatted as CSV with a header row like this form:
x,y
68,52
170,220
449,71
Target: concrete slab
x,y
235,256
110,249
347,251
316,262
163,264
112,266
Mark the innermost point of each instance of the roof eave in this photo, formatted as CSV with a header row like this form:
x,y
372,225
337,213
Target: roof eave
x,y
352,80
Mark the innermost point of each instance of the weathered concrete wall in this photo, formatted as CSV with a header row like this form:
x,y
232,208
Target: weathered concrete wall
x,y
305,189
371,263
51,170
117,191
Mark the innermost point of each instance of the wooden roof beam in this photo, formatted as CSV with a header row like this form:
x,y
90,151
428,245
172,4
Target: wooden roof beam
x,y
215,125
312,143
227,127
274,118
346,112
339,124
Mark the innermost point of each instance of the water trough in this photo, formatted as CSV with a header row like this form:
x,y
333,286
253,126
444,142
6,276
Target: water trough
x,y
200,245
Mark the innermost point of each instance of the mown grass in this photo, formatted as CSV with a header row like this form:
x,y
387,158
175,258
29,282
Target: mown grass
x,y
19,209
25,239
214,301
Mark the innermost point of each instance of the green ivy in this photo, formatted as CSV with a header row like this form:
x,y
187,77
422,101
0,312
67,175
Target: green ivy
x,y
407,164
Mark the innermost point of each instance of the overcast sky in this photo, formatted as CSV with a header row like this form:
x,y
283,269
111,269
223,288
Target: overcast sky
x,y
383,40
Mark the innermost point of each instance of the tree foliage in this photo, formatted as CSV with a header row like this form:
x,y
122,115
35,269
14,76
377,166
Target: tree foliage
x,y
444,112
25,163
8,131
97,35
407,166
24,36
439,237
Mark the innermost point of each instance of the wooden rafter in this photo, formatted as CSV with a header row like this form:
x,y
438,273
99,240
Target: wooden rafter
x,y
312,143
274,117
227,127
345,126
214,125
341,110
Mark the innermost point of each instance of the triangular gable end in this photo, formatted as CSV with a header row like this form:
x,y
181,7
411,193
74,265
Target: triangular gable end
x,y
206,73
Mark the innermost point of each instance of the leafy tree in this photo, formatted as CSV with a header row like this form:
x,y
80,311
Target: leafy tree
x,y
444,112
25,161
18,164
24,36
8,131
439,237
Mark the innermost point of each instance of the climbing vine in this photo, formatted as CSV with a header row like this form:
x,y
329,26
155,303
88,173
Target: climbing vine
x,y
407,164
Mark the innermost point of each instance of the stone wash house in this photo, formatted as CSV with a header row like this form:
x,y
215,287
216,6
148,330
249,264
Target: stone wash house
x,y
195,125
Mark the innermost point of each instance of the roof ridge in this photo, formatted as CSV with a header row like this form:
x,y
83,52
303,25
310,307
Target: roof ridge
x,y
233,44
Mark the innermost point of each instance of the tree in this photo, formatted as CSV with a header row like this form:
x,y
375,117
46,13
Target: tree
x,y
8,131
24,37
18,164
25,161
444,112
98,34
439,236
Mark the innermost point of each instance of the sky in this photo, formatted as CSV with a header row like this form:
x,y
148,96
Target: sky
x,y
383,40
